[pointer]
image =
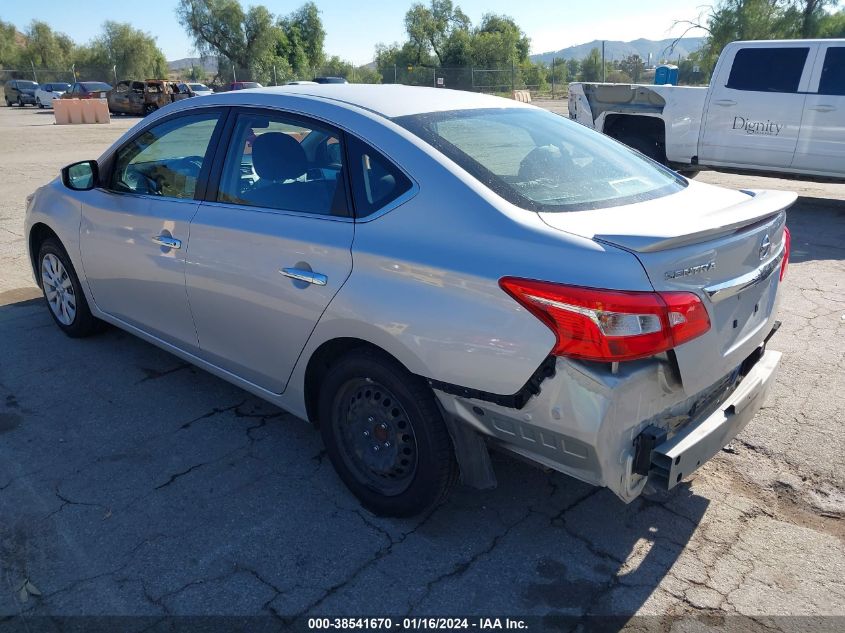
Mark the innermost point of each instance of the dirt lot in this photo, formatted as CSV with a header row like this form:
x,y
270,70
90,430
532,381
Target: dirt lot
x,y
133,484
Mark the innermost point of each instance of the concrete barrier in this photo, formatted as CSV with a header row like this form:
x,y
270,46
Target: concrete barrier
x,y
522,95
70,111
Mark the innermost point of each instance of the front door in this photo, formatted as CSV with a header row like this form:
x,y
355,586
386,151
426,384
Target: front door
x,y
753,112
271,247
821,143
134,232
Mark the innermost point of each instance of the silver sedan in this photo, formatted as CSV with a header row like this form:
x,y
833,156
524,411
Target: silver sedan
x,y
426,274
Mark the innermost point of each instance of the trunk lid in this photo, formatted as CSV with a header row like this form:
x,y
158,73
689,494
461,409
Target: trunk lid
x,y
725,246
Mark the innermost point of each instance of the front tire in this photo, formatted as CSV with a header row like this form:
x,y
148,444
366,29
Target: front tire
x,y
385,435
39,104
63,292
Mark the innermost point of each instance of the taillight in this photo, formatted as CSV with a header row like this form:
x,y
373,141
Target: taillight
x,y
610,325
787,245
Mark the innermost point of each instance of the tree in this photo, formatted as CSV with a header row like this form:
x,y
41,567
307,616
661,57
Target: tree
x,y
731,20
431,27
499,42
264,48
591,69
134,52
10,47
46,48
633,67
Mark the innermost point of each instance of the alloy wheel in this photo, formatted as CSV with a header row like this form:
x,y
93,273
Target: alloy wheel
x,y
58,289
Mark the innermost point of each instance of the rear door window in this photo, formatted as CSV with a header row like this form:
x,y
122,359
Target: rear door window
x,y
768,69
832,80
286,163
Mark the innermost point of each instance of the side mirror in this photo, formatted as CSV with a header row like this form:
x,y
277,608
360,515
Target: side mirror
x,y
81,176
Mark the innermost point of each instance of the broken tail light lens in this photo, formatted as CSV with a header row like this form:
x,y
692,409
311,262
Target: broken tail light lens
x,y
610,325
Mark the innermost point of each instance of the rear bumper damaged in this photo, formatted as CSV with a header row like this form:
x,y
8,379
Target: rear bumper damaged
x,y
619,430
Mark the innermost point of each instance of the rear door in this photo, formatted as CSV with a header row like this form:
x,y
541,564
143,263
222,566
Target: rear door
x,y
821,142
270,246
756,101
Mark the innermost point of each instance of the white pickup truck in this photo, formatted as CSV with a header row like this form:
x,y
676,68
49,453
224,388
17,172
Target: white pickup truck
x,y
772,106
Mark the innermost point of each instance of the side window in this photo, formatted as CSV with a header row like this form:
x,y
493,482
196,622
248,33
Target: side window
x,y
833,72
122,87
166,159
277,162
768,69
376,182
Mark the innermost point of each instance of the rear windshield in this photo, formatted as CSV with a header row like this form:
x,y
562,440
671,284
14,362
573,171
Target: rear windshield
x,y
542,162
95,86
198,86
250,84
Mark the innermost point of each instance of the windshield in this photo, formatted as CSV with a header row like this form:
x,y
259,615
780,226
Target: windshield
x,y
250,84
542,162
94,86
61,87
27,85
197,87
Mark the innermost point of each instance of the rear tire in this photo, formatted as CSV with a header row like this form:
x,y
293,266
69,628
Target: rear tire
x,y
385,435
63,292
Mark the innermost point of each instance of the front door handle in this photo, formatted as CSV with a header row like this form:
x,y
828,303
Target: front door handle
x,y
167,241
308,276
823,108
725,102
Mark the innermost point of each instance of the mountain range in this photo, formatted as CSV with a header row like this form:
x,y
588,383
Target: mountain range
x,y
659,49
208,64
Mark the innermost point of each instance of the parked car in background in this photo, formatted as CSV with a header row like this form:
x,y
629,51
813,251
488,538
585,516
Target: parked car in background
x,y
330,80
195,90
519,281
772,106
45,93
87,90
301,83
243,85
20,92
142,97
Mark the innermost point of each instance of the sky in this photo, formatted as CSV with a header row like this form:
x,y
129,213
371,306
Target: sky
x,y
354,27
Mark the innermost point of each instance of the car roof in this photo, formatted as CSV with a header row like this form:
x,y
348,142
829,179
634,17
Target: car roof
x,y
389,100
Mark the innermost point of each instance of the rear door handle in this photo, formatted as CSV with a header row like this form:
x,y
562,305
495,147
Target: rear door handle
x,y
823,108
725,102
308,276
167,241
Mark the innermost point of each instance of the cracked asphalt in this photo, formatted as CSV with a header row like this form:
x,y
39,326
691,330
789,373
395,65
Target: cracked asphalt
x,y
133,484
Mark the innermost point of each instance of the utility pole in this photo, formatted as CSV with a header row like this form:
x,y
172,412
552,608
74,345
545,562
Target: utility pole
x,y
275,78
114,70
32,63
513,75
553,77
394,74
603,67
234,76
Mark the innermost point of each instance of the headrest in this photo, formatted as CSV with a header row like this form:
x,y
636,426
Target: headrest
x,y
278,156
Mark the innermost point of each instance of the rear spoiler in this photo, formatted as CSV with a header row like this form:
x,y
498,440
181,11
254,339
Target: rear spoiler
x,y
760,206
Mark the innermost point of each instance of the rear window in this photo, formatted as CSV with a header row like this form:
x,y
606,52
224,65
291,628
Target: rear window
x,y
541,161
95,86
768,69
833,72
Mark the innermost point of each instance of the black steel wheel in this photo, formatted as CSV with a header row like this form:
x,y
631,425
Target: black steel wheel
x,y
385,435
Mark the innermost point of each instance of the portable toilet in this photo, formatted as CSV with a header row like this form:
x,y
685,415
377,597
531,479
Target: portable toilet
x,y
666,74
